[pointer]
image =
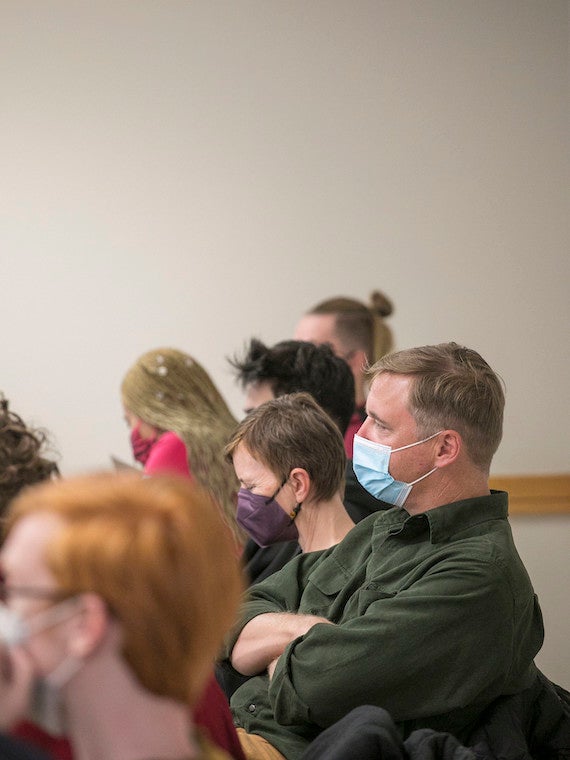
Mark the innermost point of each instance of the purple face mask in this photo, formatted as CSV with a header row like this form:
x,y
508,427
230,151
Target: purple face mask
x,y
264,519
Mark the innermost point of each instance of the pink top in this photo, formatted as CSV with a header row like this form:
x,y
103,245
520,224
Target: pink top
x,y
168,454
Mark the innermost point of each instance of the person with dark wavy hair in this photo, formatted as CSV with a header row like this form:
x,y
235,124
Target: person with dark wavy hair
x,y
294,366
22,455
22,463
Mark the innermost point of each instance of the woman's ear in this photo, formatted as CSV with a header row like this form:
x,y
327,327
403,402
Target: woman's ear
x,y
89,626
301,483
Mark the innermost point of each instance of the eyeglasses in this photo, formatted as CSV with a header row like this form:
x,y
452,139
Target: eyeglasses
x,y
34,592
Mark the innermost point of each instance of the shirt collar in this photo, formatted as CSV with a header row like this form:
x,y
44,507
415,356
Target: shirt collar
x,y
443,522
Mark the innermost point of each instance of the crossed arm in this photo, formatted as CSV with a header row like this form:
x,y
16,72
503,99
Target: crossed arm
x,y
265,637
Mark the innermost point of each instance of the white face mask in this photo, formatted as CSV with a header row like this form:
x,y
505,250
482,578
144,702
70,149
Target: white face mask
x,y
15,629
46,707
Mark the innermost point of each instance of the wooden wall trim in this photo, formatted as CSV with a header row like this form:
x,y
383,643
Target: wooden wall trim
x,y
535,494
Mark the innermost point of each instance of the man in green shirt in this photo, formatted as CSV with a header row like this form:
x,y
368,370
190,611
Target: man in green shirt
x,y
424,609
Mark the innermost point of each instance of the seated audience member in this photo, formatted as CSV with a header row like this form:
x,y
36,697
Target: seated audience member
x,y
357,333
293,366
289,459
23,462
118,591
23,459
180,424
424,609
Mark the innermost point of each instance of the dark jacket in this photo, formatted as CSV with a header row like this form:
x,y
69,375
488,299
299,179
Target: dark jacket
x,y
531,725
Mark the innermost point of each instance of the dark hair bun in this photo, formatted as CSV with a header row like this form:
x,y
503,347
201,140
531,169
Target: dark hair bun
x,y
380,304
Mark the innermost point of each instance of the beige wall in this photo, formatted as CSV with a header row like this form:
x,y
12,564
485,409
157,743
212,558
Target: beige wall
x,y
193,173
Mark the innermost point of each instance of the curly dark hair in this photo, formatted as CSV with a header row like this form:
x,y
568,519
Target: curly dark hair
x,y
22,460
293,366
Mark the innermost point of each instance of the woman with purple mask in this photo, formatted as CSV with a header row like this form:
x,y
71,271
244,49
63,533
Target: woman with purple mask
x,y
289,457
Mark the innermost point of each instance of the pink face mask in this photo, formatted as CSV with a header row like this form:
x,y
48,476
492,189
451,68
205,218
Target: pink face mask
x,y
141,446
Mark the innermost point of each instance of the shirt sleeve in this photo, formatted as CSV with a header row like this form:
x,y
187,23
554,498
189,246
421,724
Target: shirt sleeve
x,y
280,592
447,641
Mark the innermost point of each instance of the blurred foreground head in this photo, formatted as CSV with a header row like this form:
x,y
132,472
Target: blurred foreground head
x,y
151,568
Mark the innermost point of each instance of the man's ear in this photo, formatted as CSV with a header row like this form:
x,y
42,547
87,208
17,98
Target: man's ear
x,y
448,447
357,360
89,626
300,483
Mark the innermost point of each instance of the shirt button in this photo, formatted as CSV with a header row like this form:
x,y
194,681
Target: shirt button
x,y
251,708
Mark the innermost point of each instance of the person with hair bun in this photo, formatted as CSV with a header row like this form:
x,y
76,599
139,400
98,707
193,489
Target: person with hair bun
x,y
356,332
180,424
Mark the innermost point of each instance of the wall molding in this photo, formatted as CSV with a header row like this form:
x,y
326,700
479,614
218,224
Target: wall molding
x,y
535,494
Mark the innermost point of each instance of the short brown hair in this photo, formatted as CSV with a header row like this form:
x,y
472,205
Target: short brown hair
x,y
452,387
293,431
162,559
359,326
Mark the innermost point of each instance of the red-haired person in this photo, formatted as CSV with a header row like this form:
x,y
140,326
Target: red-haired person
x,y
117,594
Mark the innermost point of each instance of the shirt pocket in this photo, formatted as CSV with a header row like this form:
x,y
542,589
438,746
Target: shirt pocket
x,y
329,590
328,587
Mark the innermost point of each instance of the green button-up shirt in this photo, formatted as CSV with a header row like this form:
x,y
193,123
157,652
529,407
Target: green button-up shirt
x,y
435,617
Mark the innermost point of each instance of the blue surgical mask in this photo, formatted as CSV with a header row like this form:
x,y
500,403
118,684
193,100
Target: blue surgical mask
x,y
371,462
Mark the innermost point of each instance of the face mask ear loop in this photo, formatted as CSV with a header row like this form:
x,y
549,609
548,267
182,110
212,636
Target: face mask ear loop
x,y
272,498
52,616
413,483
417,443
296,509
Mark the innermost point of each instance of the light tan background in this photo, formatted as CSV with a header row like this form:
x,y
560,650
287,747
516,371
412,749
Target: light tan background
x,y
194,173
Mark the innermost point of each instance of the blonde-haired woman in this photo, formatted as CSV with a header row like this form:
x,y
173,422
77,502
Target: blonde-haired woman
x,y
180,424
